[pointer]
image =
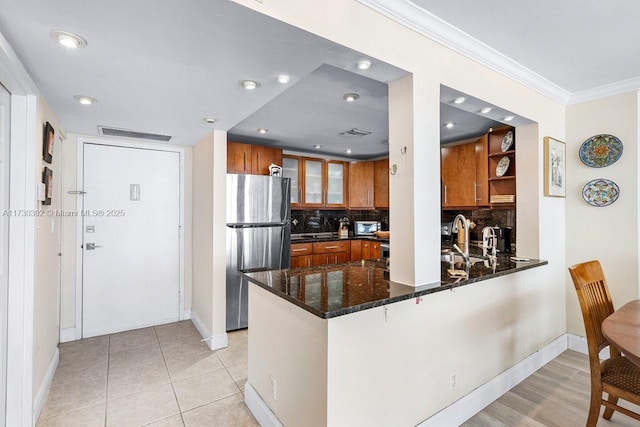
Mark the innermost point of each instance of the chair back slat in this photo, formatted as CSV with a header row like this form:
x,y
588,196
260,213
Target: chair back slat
x,y
595,301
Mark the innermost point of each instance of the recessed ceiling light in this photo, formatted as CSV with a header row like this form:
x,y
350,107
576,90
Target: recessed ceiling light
x,y
85,100
486,110
262,130
317,146
350,97
348,151
459,100
249,84
364,64
283,78
448,125
210,120
67,39
508,118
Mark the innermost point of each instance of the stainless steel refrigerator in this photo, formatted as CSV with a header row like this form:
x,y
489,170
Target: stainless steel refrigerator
x,y
258,235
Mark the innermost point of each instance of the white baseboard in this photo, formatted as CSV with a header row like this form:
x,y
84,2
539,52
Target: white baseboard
x,y
186,314
43,391
67,334
469,405
579,344
213,342
259,409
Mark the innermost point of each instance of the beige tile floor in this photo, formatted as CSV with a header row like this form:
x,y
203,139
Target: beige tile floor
x,y
160,376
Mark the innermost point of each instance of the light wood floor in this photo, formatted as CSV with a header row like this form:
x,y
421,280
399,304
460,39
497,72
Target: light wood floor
x,y
556,395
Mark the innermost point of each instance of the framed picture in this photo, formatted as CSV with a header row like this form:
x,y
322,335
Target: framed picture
x,y
47,143
554,168
47,179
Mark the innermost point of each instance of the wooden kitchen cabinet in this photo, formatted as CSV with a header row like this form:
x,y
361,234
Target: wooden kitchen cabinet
x,y
332,252
331,258
324,183
365,249
251,159
301,255
482,171
458,173
381,184
292,169
361,176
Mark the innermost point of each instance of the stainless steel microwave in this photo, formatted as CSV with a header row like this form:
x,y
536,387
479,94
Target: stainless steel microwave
x,y
365,228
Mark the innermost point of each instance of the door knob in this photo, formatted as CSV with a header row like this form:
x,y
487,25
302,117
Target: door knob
x,y
92,246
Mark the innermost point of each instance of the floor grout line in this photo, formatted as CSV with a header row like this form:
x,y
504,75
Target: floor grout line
x,y
170,379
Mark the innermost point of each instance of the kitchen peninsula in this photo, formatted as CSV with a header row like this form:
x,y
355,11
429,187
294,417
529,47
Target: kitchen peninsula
x,y
342,345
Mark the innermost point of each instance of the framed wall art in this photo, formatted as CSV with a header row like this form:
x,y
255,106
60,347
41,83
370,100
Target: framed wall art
x,y
47,180
47,143
555,154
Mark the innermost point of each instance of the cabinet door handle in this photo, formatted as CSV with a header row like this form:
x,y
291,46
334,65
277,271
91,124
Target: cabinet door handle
x,y
299,250
335,259
368,198
445,194
245,161
475,192
300,195
259,170
308,262
331,247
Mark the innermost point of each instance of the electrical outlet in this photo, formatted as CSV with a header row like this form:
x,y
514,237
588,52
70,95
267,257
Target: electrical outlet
x,y
273,387
453,381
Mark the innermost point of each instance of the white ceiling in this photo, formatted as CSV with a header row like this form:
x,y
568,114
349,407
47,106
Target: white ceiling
x,y
160,66
570,50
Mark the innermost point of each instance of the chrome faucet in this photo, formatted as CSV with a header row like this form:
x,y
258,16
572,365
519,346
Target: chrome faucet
x,y
465,226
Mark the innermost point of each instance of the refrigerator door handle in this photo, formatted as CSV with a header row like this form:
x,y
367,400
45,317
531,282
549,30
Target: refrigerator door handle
x,y
258,224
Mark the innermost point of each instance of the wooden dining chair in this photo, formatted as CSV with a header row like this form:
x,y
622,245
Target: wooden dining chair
x,y
616,376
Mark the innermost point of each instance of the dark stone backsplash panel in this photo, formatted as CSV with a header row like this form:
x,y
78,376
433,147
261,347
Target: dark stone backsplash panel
x,y
324,221
485,217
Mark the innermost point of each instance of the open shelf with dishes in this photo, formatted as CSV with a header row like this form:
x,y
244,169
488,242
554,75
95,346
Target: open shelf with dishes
x,y
502,167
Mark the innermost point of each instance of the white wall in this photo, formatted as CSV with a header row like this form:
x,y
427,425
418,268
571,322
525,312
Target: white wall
x,y
609,234
71,182
47,269
209,228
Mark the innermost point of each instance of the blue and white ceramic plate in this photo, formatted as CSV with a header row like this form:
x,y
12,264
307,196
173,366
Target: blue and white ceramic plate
x,y
600,192
600,151
507,142
502,166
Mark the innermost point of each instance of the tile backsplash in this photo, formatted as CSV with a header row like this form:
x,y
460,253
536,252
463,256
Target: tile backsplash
x,y
323,221
486,217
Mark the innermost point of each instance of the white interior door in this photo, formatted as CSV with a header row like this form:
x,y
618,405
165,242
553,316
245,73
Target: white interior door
x,y
131,255
5,109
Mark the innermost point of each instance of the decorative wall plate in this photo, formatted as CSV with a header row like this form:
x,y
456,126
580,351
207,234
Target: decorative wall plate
x,y
600,151
600,192
507,141
503,166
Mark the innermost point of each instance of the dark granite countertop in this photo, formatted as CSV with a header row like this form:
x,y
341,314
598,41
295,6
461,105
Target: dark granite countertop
x,y
335,290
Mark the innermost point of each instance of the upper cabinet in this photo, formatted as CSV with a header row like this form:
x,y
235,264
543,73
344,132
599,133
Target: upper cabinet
x,y
480,173
381,184
361,185
316,183
251,159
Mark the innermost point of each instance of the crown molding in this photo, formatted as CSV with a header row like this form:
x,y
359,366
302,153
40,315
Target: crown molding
x,y
603,91
424,22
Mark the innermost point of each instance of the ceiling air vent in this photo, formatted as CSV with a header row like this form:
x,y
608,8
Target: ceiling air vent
x,y
356,133
125,133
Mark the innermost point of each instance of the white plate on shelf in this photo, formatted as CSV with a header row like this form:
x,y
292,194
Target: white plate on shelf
x,y
503,166
507,141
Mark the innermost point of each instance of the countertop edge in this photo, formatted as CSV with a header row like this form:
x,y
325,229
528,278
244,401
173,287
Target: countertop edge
x,y
420,291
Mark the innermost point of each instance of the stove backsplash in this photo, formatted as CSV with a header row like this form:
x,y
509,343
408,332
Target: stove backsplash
x,y
321,221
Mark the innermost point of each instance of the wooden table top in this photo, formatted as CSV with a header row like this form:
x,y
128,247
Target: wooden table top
x,y
622,329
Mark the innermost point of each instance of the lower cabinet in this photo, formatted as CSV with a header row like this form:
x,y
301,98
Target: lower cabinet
x,y
334,252
365,249
331,258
